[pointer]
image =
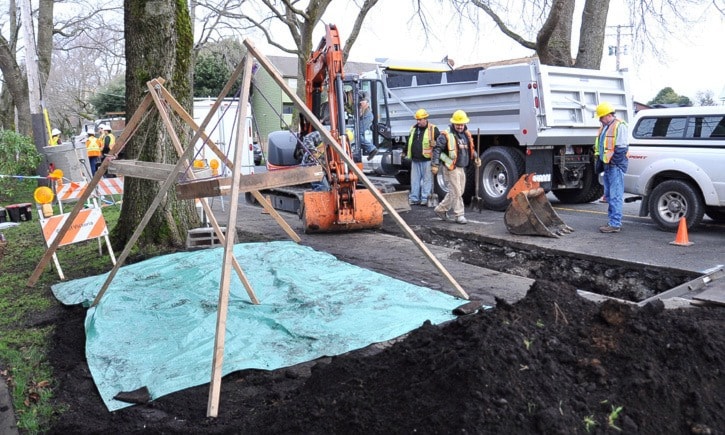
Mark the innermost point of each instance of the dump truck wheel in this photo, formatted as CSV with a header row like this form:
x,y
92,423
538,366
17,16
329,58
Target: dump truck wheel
x,y
501,168
590,191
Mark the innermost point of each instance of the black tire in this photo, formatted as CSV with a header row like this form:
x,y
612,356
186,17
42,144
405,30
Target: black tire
x,y
403,177
500,170
250,199
675,199
590,191
716,213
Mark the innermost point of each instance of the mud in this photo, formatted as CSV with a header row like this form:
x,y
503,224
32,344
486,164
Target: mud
x,y
552,363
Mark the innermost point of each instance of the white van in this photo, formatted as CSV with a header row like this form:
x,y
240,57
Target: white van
x,y
223,130
677,164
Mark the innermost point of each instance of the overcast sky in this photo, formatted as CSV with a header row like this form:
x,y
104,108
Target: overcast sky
x,y
693,63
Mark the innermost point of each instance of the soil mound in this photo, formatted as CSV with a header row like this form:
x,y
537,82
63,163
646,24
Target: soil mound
x,y
552,363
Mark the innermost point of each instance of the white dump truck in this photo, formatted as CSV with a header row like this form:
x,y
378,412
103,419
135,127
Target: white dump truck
x,y
526,117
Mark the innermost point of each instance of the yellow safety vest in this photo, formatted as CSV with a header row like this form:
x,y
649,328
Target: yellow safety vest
x,y
449,160
610,138
93,145
427,140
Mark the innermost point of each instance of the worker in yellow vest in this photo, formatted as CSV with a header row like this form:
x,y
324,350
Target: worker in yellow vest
x,y
54,137
93,146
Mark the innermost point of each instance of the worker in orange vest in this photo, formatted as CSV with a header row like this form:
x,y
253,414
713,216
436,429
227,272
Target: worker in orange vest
x,y
93,146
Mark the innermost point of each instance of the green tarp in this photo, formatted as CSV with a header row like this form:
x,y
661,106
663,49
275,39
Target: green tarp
x,y
155,325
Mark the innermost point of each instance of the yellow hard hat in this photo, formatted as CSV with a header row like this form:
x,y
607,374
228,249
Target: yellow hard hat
x,y
43,195
459,117
421,114
603,109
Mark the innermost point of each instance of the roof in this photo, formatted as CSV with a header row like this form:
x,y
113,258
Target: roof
x,y
693,110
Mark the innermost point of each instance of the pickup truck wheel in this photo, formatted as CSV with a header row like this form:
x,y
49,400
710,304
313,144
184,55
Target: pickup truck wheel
x,y
591,189
675,199
501,168
716,213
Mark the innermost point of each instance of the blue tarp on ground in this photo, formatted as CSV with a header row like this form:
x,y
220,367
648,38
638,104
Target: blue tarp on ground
x,y
155,325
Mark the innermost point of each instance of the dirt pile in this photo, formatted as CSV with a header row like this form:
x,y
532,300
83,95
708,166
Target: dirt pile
x,y
551,363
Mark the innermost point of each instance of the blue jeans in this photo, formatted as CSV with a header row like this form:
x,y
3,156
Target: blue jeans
x,y
421,181
614,188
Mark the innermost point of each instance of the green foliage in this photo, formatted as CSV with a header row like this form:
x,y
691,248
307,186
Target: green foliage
x,y
18,155
669,96
214,65
110,98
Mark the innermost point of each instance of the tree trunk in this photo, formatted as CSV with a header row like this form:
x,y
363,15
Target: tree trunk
x,y
158,44
553,42
591,35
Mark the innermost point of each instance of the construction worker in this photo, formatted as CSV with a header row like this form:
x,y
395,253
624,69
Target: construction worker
x,y
421,140
108,140
454,147
54,137
610,154
94,147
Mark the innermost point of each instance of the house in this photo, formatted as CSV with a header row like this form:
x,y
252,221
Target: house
x,y
273,109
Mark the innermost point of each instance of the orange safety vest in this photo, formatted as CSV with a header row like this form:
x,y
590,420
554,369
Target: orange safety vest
x,y
427,140
449,160
93,146
606,150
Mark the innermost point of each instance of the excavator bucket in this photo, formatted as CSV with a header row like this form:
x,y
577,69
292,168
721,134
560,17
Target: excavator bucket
x,y
530,213
323,212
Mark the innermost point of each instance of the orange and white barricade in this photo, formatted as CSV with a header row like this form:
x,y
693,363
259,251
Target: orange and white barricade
x,y
74,189
88,224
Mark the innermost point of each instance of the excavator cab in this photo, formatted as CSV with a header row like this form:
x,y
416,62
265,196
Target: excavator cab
x,y
530,212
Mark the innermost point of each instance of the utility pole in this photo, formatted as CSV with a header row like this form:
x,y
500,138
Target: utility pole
x,y
31,66
618,49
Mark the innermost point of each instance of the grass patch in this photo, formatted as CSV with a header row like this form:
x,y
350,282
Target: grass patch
x,y
24,347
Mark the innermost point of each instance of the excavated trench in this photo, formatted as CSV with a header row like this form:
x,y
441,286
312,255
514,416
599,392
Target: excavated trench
x,y
613,278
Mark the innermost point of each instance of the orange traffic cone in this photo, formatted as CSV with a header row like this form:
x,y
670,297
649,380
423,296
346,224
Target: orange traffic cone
x,y
681,239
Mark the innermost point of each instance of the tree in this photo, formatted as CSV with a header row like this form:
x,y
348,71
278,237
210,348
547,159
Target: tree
x,y
298,22
705,98
158,44
111,97
552,24
215,62
668,96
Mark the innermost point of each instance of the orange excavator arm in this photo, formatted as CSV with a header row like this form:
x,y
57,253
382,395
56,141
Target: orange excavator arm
x,y
343,207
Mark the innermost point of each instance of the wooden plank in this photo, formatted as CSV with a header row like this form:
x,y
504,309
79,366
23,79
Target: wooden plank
x,y
212,409
268,180
138,169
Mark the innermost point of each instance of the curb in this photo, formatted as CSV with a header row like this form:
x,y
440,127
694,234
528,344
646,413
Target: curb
x,y
8,426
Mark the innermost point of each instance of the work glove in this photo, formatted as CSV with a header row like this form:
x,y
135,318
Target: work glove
x,y
434,169
477,162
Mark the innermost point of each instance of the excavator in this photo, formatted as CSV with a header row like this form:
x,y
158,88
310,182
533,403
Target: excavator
x,y
336,203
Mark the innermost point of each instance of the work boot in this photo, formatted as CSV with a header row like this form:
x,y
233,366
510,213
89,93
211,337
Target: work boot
x,y
608,229
461,220
442,214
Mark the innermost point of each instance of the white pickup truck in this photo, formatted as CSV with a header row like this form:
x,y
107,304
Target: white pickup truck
x,y
677,164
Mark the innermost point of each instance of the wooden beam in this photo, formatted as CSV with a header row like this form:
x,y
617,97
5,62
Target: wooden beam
x,y
268,180
139,169
327,137
212,409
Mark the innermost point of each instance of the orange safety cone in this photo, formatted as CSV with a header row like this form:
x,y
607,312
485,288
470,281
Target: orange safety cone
x,y
681,239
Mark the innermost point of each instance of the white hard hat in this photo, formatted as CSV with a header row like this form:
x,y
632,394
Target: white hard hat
x,y
105,127
55,132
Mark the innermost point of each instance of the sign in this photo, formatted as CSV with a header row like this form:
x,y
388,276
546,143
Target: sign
x,y
88,224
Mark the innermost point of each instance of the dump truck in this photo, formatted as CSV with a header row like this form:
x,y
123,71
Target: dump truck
x,y
529,118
